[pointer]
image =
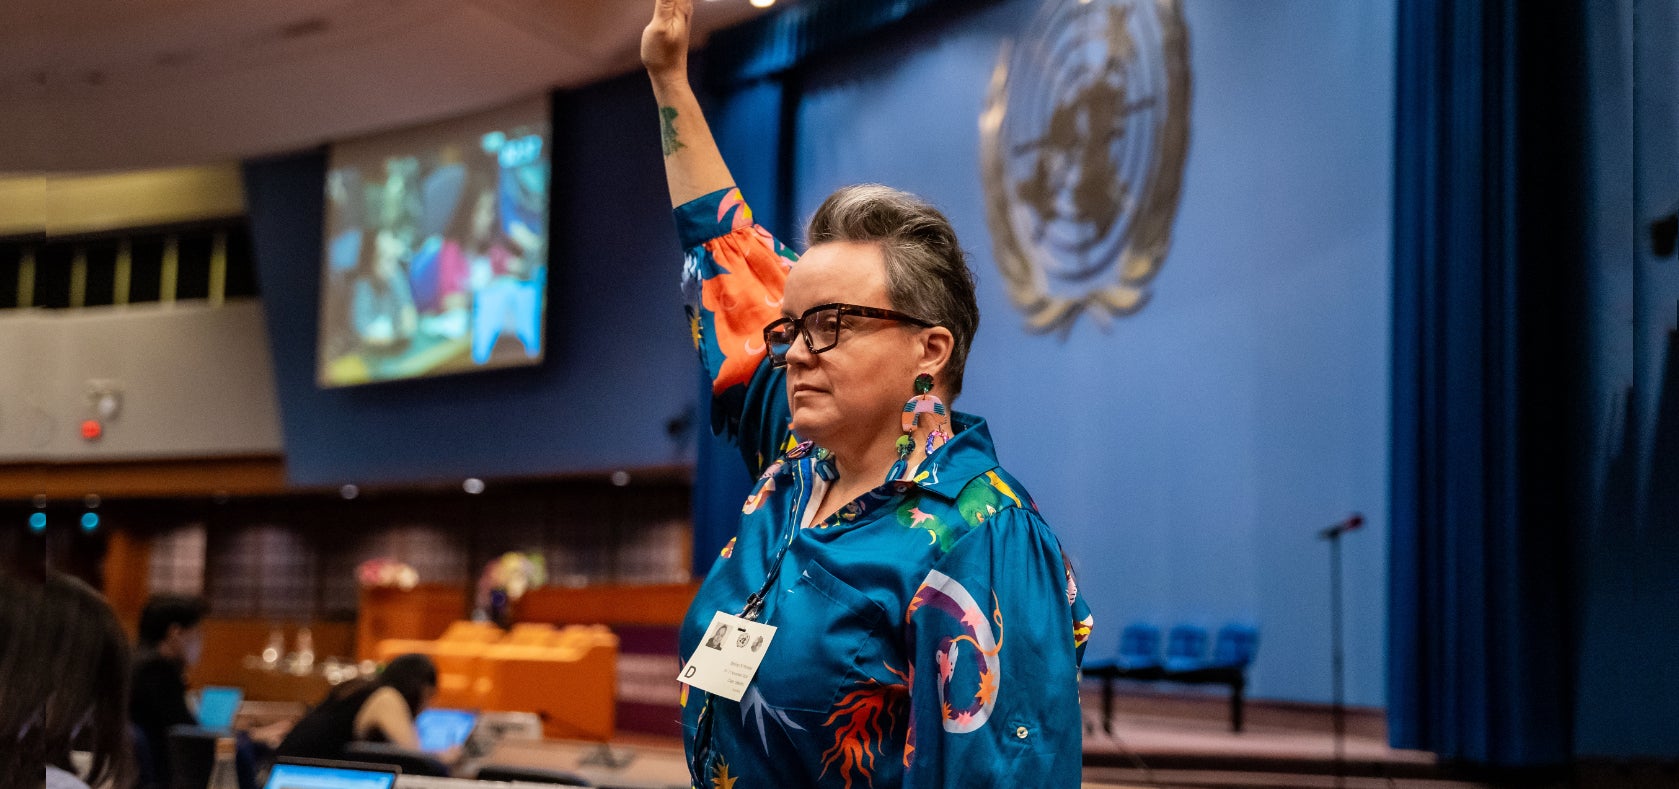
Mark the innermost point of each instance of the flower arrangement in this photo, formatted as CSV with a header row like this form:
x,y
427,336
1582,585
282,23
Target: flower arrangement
x,y
506,579
386,573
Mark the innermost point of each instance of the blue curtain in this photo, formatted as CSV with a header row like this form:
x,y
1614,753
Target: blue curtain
x,y
777,43
1489,156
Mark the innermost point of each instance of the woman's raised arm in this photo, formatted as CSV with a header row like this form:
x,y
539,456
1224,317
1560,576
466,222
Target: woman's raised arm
x,y
693,165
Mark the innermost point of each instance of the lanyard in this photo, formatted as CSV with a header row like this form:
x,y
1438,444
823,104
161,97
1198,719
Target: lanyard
x,y
797,519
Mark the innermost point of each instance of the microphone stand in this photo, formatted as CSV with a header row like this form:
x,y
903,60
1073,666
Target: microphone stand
x,y
1337,710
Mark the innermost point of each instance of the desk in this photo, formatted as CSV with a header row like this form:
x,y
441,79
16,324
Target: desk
x,y
426,782
653,767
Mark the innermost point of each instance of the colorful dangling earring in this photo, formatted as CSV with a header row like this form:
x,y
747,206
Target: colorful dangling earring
x,y
923,402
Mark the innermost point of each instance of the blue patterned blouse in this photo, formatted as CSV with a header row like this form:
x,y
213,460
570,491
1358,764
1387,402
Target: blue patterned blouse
x,y
929,634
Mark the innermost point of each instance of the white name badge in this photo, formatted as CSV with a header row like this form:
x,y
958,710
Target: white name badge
x,y
728,656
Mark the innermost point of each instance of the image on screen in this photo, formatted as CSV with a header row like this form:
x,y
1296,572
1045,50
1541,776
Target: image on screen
x,y
441,729
435,256
217,706
308,776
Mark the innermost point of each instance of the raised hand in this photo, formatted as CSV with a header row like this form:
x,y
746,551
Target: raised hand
x,y
664,42
693,165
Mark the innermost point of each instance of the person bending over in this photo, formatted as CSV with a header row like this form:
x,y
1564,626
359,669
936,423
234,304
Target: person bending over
x,y
380,710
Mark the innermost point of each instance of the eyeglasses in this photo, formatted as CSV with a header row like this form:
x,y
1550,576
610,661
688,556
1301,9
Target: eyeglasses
x,y
821,325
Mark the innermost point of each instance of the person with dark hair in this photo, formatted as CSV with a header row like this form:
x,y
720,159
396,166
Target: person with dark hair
x,y
928,630
170,642
379,710
64,658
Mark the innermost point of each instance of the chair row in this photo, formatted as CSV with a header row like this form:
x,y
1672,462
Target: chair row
x,y
1185,659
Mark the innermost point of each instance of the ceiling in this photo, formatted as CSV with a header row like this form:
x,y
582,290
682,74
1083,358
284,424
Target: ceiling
x,y
123,84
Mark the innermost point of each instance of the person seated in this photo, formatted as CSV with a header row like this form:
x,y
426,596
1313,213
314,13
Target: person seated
x,y
65,660
170,642
378,710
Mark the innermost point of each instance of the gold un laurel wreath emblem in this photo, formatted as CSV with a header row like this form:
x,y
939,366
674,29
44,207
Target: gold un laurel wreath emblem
x,y
1082,146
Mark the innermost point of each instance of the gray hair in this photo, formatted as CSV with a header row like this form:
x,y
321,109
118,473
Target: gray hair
x,y
927,274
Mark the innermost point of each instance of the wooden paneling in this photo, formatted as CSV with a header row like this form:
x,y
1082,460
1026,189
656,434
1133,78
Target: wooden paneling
x,y
421,613
227,642
656,604
127,572
144,479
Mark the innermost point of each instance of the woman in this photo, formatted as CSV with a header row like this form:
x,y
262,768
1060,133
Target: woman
x,y
65,662
379,711
928,628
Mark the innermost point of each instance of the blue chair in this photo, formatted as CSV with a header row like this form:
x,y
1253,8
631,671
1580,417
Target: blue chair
x,y
1186,648
1139,650
1235,646
1139,658
1233,652
1139,647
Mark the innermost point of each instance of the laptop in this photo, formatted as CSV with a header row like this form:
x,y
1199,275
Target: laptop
x,y
442,728
308,774
217,706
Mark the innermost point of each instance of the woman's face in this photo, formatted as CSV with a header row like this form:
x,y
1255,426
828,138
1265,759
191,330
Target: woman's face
x,y
859,385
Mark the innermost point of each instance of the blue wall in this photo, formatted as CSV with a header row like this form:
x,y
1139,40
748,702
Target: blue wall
x,y
1212,433
1628,692
619,362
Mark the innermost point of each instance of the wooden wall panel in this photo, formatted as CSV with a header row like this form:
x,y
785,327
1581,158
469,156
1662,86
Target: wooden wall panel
x,y
423,612
655,604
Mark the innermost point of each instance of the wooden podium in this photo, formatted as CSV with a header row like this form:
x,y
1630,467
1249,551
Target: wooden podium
x,y
423,612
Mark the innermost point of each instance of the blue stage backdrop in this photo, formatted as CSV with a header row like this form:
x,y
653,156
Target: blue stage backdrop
x,y
1186,454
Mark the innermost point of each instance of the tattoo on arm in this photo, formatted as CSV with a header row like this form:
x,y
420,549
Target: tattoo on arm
x,y
667,131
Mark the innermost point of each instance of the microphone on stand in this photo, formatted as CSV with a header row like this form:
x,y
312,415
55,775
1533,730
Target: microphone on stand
x,y
1352,522
1336,650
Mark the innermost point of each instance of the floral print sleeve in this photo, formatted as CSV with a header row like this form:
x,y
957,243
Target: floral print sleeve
x,y
732,281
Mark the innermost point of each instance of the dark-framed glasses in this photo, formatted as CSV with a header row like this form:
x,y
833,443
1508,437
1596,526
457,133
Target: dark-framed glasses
x,y
821,326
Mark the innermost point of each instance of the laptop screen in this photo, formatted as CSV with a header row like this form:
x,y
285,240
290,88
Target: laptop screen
x,y
442,729
312,776
216,707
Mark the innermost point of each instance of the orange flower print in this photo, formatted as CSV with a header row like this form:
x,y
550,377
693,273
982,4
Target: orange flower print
x,y
867,717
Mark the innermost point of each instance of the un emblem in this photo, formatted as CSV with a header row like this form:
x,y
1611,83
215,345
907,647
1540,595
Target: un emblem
x,y
1082,149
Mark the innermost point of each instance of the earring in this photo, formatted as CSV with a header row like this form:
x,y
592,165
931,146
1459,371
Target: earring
x,y
923,402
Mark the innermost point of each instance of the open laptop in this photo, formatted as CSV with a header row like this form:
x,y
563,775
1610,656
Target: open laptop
x,y
307,774
442,728
217,706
